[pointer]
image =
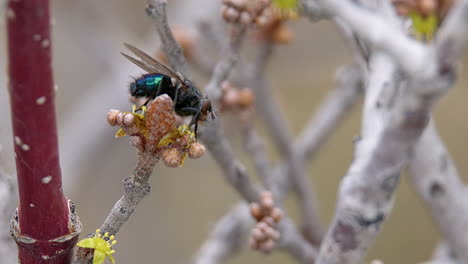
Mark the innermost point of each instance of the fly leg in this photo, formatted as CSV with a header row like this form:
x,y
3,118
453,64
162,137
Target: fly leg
x,y
191,111
142,107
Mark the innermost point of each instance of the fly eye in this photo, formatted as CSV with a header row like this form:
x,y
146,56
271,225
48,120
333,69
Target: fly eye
x,y
132,89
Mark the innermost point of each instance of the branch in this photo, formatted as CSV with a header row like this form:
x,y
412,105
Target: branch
x,y
372,26
157,11
233,170
451,38
443,255
332,111
227,238
225,65
395,114
435,178
278,127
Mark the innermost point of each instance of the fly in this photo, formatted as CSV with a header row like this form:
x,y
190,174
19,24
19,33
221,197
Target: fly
x,y
160,79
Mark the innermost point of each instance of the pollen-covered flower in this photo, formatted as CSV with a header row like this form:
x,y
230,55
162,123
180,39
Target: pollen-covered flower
x,y
286,6
158,131
102,246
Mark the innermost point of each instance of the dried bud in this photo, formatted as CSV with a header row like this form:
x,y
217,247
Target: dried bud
x,y
196,150
245,18
267,246
276,214
225,86
258,234
239,4
264,235
230,14
172,157
246,98
119,119
127,120
253,243
269,221
427,7
282,35
256,211
231,98
112,117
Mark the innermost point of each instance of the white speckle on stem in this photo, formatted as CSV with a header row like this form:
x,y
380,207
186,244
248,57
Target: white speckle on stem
x,y
32,205
56,88
10,13
41,100
46,179
45,43
52,21
25,147
37,37
17,140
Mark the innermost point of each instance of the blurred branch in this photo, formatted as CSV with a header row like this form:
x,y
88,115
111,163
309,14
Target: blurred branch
x,y
157,11
395,114
225,65
8,249
278,127
233,170
332,111
228,236
435,178
443,255
379,31
255,147
451,37
136,187
294,243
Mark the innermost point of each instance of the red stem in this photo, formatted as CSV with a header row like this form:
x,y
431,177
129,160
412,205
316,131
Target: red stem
x,y
43,209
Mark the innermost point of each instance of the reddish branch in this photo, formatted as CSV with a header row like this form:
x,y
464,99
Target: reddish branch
x,y
43,209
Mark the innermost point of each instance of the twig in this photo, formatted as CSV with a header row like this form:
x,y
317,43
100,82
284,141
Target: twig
x,y
443,255
278,127
329,114
332,110
255,147
225,65
294,243
452,38
157,11
136,188
228,236
411,55
233,171
435,178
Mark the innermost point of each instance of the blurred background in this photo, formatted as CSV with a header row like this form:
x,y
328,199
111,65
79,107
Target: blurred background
x,y
185,203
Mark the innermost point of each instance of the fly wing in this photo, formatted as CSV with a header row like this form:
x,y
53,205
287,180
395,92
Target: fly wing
x,y
139,63
147,62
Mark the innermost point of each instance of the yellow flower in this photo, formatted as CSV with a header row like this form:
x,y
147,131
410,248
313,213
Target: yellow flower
x,y
139,120
102,246
424,26
287,8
